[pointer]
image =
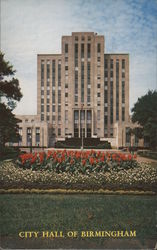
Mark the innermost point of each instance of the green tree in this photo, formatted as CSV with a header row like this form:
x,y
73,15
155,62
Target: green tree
x,y
10,92
145,113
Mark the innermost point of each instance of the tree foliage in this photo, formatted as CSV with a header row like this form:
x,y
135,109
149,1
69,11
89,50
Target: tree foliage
x,y
10,92
145,113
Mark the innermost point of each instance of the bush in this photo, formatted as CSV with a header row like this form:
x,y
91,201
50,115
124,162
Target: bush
x,y
148,154
59,144
105,145
9,153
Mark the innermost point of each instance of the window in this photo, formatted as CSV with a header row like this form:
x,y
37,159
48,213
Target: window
x,y
29,137
106,73
82,50
82,82
98,115
123,114
66,94
66,48
98,59
98,48
117,89
66,67
105,96
111,64
42,92
76,98
59,73
76,38
106,63
42,117
111,102
89,38
48,70
48,108
111,132
53,96
59,131
98,85
59,96
98,94
53,73
88,50
20,136
42,108
53,108
66,59
127,136
76,55
42,70
123,92
123,63
66,115
111,73
59,108
37,135
42,100
105,120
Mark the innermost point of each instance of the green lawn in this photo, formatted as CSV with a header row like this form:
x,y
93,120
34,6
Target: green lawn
x,y
35,212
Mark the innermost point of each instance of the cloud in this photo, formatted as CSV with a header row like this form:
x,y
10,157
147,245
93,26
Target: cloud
x,y
35,26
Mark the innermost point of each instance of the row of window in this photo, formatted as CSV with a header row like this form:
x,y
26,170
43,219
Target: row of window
x,y
66,48
111,74
53,73
110,62
48,108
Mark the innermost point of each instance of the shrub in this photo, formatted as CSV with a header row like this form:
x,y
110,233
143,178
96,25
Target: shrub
x,y
9,153
147,153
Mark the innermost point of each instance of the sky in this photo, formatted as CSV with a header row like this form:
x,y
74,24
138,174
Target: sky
x,y
31,27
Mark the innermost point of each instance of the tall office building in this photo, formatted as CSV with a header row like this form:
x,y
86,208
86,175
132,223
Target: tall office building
x,y
82,92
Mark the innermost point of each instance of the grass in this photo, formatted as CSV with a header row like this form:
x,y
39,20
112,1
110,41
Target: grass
x,y
36,212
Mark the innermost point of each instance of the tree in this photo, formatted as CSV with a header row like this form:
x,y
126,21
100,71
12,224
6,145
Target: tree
x,y
145,113
10,92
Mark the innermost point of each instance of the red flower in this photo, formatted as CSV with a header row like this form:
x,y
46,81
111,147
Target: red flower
x,y
34,158
102,159
129,157
59,160
91,160
41,156
83,162
71,161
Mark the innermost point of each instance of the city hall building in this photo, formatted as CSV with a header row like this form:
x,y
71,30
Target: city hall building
x,y
82,92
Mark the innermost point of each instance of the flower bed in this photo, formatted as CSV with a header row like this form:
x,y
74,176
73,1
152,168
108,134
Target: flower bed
x,y
84,162
143,177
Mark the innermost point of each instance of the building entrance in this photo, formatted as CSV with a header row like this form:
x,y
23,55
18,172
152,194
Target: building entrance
x,y
82,123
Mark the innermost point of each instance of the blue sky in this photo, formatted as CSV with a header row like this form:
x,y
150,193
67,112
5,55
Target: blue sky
x,y
31,27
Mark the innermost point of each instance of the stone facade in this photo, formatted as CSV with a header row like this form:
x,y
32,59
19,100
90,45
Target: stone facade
x,y
81,92
32,131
